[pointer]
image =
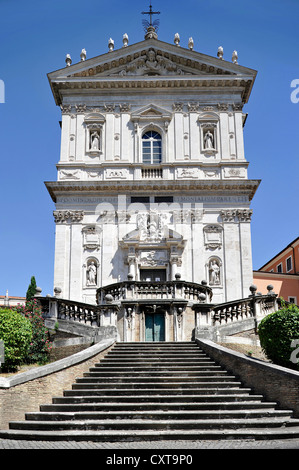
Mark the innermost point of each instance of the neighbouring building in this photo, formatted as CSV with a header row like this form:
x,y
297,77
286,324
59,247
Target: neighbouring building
x,y
152,195
11,301
282,272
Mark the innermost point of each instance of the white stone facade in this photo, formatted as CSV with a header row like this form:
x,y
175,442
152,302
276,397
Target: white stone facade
x,y
178,203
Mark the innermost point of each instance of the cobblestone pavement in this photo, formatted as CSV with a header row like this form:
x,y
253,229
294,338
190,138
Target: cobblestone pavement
x,y
160,445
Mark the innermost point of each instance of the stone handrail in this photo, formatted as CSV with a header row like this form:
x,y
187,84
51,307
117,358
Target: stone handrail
x,y
146,290
63,309
254,306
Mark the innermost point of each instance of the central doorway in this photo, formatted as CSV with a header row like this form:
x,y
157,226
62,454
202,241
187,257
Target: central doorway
x,y
155,326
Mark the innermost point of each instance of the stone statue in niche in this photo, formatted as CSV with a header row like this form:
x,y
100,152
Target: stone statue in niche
x,y
95,141
209,140
214,272
91,274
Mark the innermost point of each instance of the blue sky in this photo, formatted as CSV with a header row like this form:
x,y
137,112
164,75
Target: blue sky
x,y
35,36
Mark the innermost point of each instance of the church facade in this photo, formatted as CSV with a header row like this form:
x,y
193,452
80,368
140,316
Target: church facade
x,y
152,198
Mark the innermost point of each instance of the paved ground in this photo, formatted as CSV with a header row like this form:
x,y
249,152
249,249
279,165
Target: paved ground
x,y
160,445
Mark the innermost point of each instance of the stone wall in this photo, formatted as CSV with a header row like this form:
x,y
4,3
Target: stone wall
x,y
275,383
25,392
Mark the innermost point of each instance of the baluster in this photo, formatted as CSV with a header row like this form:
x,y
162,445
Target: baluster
x,y
228,316
234,312
88,316
223,314
216,317
61,311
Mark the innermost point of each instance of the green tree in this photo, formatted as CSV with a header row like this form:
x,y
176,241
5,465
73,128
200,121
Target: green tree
x,y
277,332
31,289
16,333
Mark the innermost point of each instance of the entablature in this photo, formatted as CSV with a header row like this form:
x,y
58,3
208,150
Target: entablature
x,y
205,187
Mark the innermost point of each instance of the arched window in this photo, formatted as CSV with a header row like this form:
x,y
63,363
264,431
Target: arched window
x,y
152,148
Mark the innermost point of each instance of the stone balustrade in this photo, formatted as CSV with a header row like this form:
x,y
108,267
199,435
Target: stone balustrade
x,y
63,309
145,290
111,298
255,306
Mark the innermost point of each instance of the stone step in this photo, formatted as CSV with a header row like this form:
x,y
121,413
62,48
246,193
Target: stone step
x,y
141,378
154,435
157,352
88,389
155,344
199,398
157,358
75,406
140,424
167,375
156,414
157,385
158,367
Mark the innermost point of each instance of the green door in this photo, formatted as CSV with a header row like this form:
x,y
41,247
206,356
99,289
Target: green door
x,y
155,327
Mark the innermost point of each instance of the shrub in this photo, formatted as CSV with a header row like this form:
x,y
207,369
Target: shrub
x,y
277,331
16,333
40,346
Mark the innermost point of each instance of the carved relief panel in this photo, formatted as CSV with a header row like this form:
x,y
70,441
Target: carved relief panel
x,y
91,237
213,237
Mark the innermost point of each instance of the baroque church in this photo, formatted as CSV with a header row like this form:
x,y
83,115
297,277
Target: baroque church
x,y
152,199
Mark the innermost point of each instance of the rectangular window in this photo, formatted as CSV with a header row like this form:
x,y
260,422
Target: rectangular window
x,y
160,199
140,199
279,268
289,264
293,300
153,275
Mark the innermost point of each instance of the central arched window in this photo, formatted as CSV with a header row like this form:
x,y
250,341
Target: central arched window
x,y
152,148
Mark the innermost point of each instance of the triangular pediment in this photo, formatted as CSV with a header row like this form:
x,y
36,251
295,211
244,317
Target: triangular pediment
x,y
152,60
151,111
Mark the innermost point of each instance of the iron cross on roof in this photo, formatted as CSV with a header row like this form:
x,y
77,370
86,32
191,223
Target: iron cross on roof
x,y
146,24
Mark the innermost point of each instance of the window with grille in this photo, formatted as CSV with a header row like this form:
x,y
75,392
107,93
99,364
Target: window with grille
x,y
151,148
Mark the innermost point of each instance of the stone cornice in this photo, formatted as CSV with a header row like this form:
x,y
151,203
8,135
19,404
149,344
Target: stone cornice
x,y
179,163
237,187
122,85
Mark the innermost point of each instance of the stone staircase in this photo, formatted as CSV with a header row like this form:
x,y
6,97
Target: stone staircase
x,y
152,391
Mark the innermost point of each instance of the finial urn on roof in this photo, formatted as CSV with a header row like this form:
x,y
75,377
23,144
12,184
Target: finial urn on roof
x,y
111,45
177,39
235,57
68,60
125,40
